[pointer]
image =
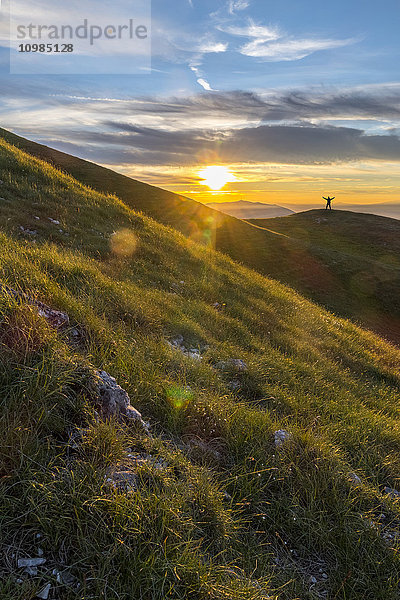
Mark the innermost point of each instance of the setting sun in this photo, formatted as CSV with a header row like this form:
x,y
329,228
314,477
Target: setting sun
x,y
215,177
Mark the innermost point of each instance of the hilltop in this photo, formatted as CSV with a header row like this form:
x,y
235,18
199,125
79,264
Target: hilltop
x,y
265,460
347,261
362,287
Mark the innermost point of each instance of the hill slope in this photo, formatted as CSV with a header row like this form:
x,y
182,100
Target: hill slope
x,y
243,209
274,425
349,262
349,285
358,287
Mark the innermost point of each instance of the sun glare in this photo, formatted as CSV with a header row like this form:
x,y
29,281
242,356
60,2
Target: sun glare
x,y
215,177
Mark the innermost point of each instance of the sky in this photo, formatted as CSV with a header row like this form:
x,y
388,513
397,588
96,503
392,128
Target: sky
x,y
295,99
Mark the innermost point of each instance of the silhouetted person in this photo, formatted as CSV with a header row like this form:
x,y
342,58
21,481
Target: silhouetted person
x,y
328,202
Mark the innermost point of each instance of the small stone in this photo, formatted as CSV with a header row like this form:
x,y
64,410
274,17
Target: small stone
x,y
37,218
324,575
232,364
44,592
40,551
193,355
56,318
281,436
30,562
354,479
54,221
68,578
32,571
57,575
177,341
391,492
313,580
125,481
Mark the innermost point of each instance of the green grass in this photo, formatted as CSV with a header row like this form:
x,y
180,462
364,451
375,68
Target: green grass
x,y
347,261
228,516
349,265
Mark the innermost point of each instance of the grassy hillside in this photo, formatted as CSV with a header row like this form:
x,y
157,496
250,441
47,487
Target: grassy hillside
x,y
215,509
349,262
353,281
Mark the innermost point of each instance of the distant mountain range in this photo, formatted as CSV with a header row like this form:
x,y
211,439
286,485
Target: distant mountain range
x,y
242,209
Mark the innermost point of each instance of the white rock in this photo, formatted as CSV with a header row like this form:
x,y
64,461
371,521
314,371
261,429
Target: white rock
x,y
115,400
392,492
281,436
193,355
31,562
177,341
54,221
44,593
57,575
354,479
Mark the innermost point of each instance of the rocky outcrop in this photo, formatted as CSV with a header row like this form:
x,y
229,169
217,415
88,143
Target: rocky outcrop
x,y
178,343
115,401
56,318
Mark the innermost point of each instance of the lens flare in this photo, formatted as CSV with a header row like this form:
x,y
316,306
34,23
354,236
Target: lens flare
x,y
215,177
179,397
123,243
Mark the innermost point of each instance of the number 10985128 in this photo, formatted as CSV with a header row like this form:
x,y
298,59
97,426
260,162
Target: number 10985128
x,y
46,48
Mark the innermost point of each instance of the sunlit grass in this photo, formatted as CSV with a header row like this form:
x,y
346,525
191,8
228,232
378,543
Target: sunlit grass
x,y
229,516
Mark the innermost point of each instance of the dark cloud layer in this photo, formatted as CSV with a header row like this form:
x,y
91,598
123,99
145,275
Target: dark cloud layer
x,y
375,102
282,127
288,144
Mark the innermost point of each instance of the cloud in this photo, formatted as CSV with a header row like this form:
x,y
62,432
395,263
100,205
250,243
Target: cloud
x,y
290,49
204,84
280,144
209,47
289,127
237,5
270,43
206,46
252,30
219,110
